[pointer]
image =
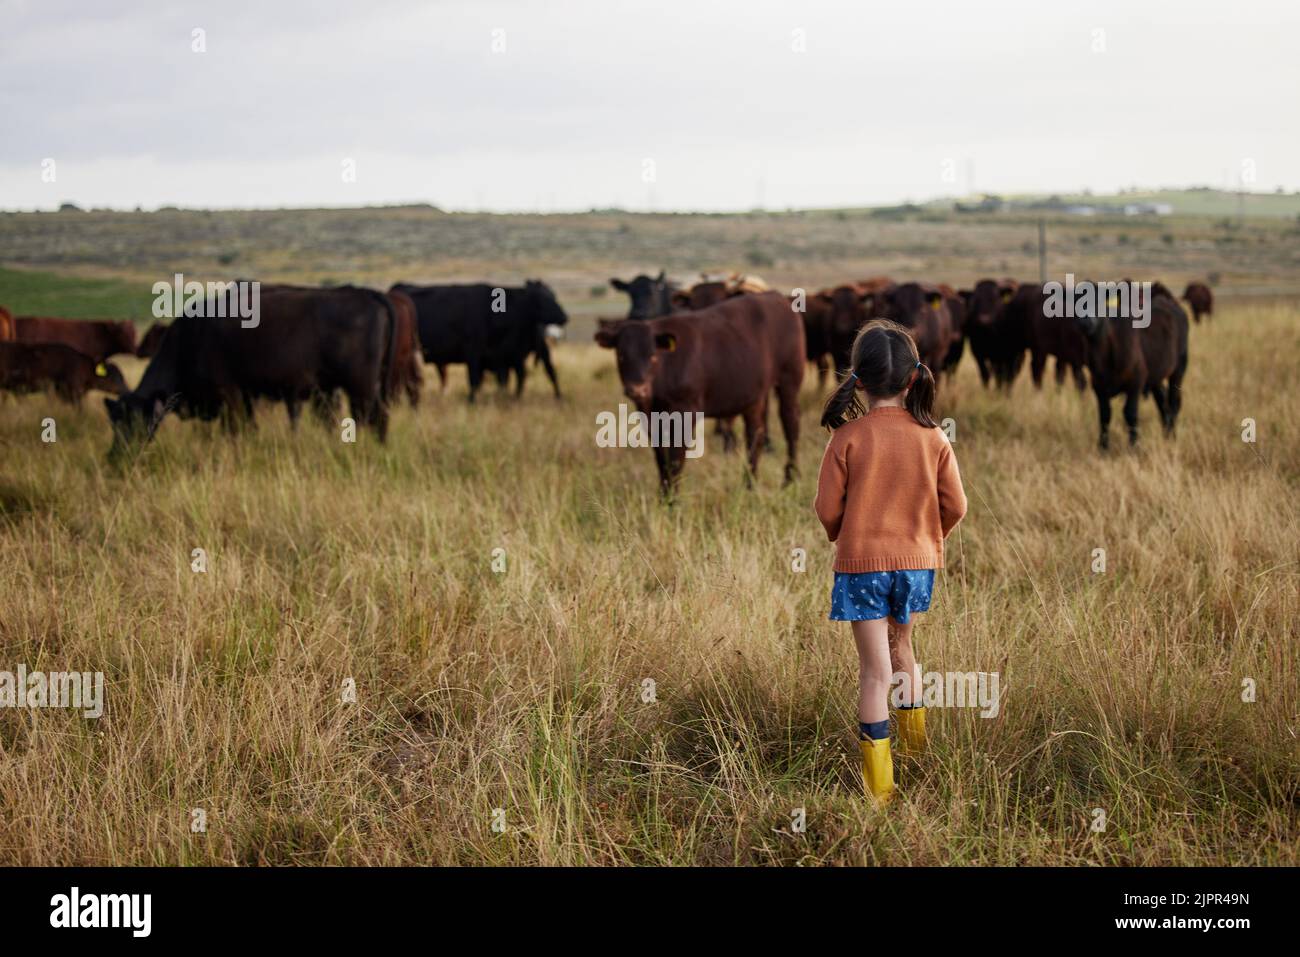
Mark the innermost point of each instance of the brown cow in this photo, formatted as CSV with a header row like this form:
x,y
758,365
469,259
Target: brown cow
x,y
994,352
817,332
405,373
925,312
97,338
151,342
721,361
6,325
1048,336
1200,298
35,367
1137,361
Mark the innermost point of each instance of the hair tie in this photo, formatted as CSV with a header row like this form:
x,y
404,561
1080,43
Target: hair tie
x,y
853,375
918,364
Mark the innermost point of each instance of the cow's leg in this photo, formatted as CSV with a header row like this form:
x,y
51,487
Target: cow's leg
x,y
1037,363
1080,380
1060,371
1176,395
823,370
293,405
475,368
1131,414
1162,404
442,377
550,371
662,464
724,427
1103,417
754,435
982,364
521,373
787,393
768,444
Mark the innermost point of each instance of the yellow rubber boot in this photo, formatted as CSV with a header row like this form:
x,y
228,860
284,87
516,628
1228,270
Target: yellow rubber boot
x,y
877,768
911,730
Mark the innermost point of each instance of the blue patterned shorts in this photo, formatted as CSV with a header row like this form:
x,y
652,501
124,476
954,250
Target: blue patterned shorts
x,y
866,596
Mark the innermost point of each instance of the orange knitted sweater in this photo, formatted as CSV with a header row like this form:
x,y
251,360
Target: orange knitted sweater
x,y
888,493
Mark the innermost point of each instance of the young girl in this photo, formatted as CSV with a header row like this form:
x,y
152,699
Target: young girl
x,y
888,494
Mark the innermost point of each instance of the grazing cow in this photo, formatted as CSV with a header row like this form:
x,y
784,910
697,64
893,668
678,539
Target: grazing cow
x,y
405,374
39,366
995,354
721,361
308,343
97,338
1133,362
6,325
650,297
152,341
1200,298
487,328
924,311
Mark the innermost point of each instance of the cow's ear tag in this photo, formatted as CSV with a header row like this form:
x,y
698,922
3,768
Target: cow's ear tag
x,y
934,304
101,370
1006,296
672,345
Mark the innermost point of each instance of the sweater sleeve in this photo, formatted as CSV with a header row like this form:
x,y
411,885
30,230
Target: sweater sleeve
x,y
952,498
831,483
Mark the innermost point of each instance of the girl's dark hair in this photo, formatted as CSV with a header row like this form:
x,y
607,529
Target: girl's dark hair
x,y
884,360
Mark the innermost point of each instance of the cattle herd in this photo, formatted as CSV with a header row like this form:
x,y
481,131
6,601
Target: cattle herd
x,y
720,347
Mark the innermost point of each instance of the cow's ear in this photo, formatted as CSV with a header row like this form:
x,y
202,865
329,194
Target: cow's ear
x,y
618,284
823,297
666,341
663,274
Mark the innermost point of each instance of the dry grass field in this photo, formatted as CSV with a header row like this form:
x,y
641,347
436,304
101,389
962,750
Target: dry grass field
x,y
518,697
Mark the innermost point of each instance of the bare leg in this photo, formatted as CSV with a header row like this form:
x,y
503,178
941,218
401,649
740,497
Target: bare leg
x,y
872,638
903,661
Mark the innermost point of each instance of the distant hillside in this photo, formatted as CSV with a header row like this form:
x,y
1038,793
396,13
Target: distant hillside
x,y
1198,201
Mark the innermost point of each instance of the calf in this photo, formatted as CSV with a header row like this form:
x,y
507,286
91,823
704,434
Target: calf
x,y
1200,298
721,361
1133,362
35,367
97,338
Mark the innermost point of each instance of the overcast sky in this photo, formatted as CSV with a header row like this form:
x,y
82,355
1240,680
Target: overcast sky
x,y
678,104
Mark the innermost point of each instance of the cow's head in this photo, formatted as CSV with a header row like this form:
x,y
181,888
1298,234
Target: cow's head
x,y
108,378
639,347
135,419
906,304
985,301
650,296
543,306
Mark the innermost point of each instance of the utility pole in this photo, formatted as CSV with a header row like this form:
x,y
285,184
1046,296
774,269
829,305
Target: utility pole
x,y
1042,250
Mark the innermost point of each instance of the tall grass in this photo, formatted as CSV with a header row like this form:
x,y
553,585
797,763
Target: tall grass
x,y
526,691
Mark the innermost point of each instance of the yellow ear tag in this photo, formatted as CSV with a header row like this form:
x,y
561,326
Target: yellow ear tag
x,y
672,345
935,305
101,370
1006,297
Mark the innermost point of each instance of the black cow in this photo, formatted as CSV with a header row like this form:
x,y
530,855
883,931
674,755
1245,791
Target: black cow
x,y
487,328
650,297
306,343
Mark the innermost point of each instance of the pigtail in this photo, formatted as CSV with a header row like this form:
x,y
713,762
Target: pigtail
x,y
920,398
842,405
